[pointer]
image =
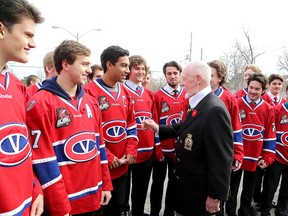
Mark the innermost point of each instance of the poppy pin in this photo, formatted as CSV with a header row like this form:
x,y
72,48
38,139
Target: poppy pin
x,y
194,113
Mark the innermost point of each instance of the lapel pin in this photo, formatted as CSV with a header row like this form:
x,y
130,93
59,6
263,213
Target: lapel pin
x,y
194,113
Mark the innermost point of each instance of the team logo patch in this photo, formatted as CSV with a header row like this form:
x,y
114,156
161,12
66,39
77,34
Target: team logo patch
x,y
242,114
165,107
124,100
173,119
114,131
31,105
14,145
103,103
133,101
284,139
81,147
252,132
284,119
140,117
63,118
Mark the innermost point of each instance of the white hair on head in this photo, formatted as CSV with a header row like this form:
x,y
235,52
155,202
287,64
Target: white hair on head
x,y
200,68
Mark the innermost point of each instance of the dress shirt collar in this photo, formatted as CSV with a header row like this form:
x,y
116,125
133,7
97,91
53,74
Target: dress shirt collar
x,y
170,90
249,100
273,96
195,99
132,85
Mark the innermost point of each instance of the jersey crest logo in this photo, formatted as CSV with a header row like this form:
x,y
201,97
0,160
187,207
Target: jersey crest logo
x,y
81,147
103,103
252,132
284,119
133,101
242,114
165,107
173,119
140,117
14,145
114,131
63,118
284,139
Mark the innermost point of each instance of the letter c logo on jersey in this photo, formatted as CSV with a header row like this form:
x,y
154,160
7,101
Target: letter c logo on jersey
x,y
81,147
284,138
114,131
14,145
140,117
174,118
252,132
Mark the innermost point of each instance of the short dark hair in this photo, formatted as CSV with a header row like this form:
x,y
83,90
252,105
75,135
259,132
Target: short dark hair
x,y
112,54
68,50
31,78
273,77
13,11
259,77
221,70
172,64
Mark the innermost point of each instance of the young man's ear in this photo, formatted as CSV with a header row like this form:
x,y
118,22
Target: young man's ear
x,y
2,28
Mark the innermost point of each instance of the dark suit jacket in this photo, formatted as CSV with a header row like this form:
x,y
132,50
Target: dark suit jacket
x,y
204,155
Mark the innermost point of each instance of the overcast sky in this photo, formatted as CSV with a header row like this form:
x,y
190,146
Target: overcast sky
x,y
159,30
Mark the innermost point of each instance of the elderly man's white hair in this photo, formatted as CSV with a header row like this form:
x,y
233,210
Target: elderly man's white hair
x,y
200,68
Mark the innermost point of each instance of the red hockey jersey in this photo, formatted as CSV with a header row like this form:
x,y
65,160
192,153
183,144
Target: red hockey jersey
x,y
17,180
259,136
240,93
118,122
170,110
233,109
281,121
69,155
269,100
31,90
144,107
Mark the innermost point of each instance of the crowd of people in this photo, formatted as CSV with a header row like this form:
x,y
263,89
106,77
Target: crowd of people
x,y
87,140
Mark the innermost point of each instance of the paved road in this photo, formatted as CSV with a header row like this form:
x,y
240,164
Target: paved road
x,y
147,204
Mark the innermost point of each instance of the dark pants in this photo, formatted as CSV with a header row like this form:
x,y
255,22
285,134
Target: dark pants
x,y
249,181
126,206
231,204
141,173
158,176
257,196
99,212
118,196
270,185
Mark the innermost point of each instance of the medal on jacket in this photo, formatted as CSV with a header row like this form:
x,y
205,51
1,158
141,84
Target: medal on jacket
x,y
188,142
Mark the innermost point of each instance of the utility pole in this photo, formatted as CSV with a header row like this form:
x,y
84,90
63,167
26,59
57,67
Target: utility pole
x,y
190,52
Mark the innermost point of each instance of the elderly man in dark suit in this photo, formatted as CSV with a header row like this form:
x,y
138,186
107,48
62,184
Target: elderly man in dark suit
x,y
204,147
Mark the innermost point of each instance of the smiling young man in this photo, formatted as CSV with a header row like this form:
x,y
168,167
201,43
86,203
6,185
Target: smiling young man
x,y
171,108
275,83
119,126
19,192
259,138
69,154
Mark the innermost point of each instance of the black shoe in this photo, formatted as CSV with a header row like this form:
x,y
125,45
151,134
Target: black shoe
x,y
125,213
253,211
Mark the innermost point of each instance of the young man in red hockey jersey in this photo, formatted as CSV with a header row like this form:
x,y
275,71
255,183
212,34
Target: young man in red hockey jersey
x,y
19,191
218,79
279,168
69,155
49,69
144,106
259,138
275,83
171,106
119,127
248,70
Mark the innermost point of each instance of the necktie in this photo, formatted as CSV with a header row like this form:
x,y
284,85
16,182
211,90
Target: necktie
x,y
253,105
138,90
275,101
175,93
